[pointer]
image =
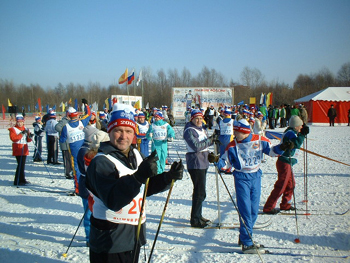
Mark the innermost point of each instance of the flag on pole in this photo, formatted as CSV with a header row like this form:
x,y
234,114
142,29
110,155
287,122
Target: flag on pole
x,y
76,104
268,99
3,112
262,98
36,106
124,77
137,105
63,106
139,78
9,103
39,104
107,104
131,77
70,101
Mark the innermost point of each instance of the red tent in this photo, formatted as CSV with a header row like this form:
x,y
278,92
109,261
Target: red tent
x,y
318,103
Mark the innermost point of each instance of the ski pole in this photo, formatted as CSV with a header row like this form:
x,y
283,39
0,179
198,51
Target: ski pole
x,y
65,254
296,240
43,163
217,190
161,219
239,214
306,177
140,220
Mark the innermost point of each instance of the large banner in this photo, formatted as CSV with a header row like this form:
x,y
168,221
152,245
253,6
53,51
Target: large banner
x,y
199,97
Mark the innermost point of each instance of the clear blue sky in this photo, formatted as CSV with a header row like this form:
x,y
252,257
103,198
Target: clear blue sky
x,y
50,41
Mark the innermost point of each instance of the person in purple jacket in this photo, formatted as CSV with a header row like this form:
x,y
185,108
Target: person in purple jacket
x,y
197,142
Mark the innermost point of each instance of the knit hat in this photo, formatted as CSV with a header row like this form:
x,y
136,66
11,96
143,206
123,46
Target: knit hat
x,y
196,113
19,117
159,114
121,115
101,114
93,113
227,112
259,114
52,115
37,118
72,112
89,131
242,126
295,121
251,119
141,115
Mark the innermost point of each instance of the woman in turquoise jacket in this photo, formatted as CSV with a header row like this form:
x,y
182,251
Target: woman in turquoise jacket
x,y
159,133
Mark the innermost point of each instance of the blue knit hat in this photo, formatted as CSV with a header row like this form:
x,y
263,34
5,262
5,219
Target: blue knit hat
x,y
159,114
195,113
122,115
19,117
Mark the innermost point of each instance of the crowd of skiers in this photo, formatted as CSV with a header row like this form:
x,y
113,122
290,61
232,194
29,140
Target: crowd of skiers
x,y
99,150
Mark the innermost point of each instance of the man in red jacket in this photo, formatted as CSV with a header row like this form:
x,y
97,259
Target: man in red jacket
x,y
20,136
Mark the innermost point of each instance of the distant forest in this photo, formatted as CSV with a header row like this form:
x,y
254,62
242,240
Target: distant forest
x,y
156,88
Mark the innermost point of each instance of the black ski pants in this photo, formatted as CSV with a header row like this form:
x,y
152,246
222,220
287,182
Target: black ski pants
x,y
199,179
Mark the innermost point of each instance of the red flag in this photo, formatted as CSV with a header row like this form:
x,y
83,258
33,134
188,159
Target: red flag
x,y
3,112
39,103
114,100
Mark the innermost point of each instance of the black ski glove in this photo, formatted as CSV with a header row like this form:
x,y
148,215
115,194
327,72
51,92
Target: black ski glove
x,y
147,169
212,158
24,132
175,173
288,145
305,130
84,101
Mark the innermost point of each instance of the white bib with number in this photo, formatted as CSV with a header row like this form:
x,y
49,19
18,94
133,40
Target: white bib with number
x,y
75,134
130,213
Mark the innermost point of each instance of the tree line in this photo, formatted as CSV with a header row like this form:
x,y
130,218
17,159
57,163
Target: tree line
x,y
156,88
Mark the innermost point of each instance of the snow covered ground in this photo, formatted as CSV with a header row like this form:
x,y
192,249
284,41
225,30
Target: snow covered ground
x,y
38,221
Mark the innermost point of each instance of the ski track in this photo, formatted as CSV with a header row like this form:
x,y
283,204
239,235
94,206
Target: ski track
x,y
37,225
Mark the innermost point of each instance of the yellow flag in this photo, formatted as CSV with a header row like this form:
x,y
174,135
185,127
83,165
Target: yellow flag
x,y
9,103
70,101
63,107
268,99
137,105
107,104
123,77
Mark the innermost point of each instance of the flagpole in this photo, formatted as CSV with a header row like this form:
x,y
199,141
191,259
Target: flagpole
x,y
143,99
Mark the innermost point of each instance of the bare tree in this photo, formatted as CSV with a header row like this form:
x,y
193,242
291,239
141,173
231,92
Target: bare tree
x,y
343,76
252,77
